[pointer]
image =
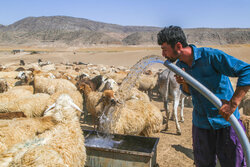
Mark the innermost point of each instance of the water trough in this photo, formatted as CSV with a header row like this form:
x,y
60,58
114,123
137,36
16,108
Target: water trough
x,y
119,150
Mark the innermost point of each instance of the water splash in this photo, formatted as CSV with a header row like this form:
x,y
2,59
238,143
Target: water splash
x,y
130,80
102,141
108,120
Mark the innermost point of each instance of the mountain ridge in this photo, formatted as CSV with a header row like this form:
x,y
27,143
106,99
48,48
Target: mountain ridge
x,y
74,31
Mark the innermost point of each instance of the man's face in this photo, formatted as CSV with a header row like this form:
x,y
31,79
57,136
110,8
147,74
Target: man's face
x,y
169,53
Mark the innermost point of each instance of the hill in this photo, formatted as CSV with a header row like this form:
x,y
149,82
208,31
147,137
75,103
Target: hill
x,y
70,31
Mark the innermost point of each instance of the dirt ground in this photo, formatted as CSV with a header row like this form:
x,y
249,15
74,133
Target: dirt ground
x,y
173,150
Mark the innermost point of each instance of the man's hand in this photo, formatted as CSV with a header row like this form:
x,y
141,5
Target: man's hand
x,y
181,81
227,109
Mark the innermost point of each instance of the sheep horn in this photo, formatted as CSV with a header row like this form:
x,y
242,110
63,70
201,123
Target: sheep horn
x,y
50,107
76,107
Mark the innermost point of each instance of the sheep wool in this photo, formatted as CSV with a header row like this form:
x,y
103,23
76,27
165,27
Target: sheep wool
x,y
32,105
136,117
18,130
62,145
51,86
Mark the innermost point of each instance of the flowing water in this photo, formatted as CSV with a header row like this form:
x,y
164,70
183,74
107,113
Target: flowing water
x,y
130,80
107,121
119,142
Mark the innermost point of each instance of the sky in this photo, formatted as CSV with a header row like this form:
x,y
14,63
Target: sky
x,y
158,13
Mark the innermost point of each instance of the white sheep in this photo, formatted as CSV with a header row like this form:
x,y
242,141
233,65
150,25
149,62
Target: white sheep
x,y
13,94
23,87
61,145
134,117
32,105
118,76
10,74
108,84
51,86
75,95
134,93
147,83
17,130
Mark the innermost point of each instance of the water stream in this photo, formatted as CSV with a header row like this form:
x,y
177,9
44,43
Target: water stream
x,y
129,81
108,141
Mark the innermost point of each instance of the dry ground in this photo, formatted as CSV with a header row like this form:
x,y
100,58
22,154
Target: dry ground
x,y
172,150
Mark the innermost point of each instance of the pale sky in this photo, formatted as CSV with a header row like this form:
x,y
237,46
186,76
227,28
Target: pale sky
x,y
159,13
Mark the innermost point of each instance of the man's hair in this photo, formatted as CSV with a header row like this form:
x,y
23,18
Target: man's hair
x,y
171,35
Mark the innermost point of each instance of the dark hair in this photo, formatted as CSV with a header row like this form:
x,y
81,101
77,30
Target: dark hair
x,y
171,36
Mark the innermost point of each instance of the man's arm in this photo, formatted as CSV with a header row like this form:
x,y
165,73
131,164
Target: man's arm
x,y
229,107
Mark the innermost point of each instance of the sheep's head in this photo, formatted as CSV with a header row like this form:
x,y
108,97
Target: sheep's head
x,y
63,109
83,87
108,98
110,84
26,77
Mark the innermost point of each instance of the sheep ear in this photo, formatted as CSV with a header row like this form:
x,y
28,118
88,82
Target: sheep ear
x,y
50,107
76,107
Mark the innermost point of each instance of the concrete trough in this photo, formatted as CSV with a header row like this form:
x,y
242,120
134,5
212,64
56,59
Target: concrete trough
x,y
119,150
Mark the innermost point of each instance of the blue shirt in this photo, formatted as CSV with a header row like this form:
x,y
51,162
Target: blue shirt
x,y
212,67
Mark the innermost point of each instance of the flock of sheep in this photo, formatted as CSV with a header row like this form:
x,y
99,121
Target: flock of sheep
x,y
41,105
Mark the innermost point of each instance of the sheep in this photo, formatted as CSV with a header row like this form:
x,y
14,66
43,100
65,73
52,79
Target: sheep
x,y
13,94
32,105
23,87
27,77
61,145
134,93
51,86
10,74
20,69
75,95
246,122
169,88
108,84
245,104
43,63
22,63
94,83
47,68
2,68
17,130
134,117
118,76
3,85
147,82
92,101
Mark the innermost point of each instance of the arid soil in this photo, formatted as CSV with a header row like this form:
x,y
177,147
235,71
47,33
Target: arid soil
x,y
173,150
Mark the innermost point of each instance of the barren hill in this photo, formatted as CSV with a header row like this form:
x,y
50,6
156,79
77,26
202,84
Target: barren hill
x,y
64,30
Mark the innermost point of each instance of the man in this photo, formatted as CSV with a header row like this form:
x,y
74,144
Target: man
x,y
212,133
